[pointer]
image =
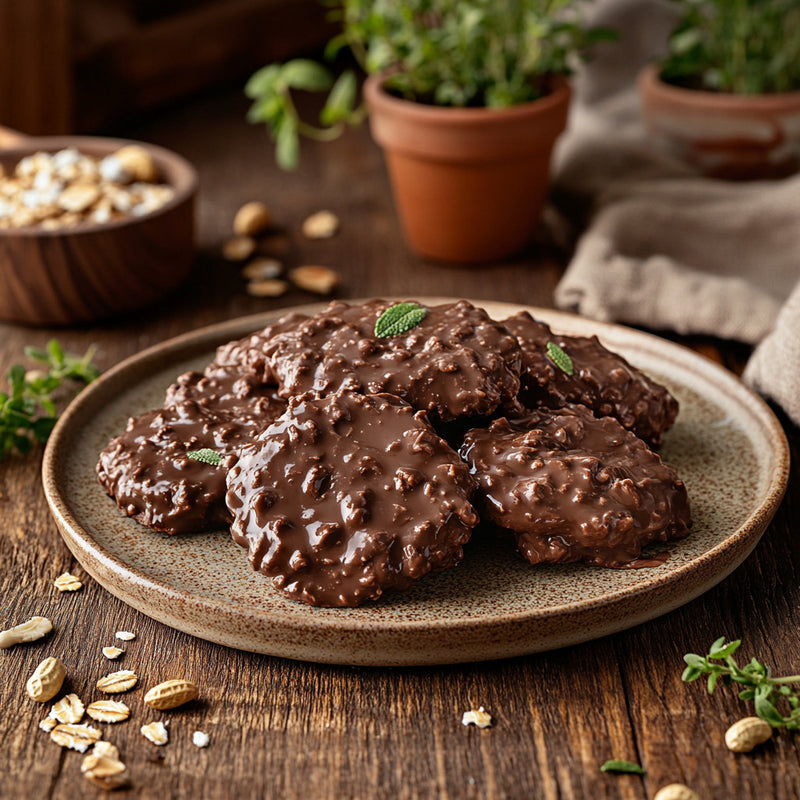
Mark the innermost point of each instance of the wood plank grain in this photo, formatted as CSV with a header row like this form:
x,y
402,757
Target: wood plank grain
x,y
35,66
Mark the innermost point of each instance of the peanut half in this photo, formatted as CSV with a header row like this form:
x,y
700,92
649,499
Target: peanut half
x,y
747,733
676,791
261,269
272,287
239,248
47,679
321,225
138,163
251,219
313,278
171,694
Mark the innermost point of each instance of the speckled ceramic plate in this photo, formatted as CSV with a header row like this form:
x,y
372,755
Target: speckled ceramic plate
x,y
727,445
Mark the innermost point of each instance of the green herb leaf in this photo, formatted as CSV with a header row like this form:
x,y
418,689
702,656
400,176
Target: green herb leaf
x,y
28,411
399,319
341,100
302,73
617,765
206,455
560,358
287,144
765,691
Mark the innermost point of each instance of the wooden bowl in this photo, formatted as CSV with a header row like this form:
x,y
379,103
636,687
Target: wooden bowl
x,y
96,271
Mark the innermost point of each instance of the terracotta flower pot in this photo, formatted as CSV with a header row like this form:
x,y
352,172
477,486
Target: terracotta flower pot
x,y
723,135
469,183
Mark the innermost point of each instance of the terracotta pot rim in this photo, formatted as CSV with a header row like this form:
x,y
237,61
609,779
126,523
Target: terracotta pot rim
x,y
650,81
378,98
184,181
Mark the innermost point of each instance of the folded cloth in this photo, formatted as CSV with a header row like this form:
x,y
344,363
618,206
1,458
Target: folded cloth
x,y
662,246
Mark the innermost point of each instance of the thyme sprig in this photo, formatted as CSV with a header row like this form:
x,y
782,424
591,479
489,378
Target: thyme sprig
x,y
28,409
765,691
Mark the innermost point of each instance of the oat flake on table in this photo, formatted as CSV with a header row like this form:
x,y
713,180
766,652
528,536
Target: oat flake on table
x,y
480,718
155,732
200,739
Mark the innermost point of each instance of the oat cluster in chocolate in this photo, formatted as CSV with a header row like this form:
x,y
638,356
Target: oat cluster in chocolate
x,y
334,473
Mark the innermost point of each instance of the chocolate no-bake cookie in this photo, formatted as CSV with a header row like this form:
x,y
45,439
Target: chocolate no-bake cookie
x,y
456,362
147,469
573,487
602,380
347,496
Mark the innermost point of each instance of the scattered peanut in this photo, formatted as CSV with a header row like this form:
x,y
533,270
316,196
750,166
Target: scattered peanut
x,y
239,248
103,767
480,718
35,628
320,280
117,682
47,679
68,709
262,269
67,582
747,733
251,219
108,711
112,653
138,163
171,694
676,791
321,225
125,636
155,732
75,737
267,288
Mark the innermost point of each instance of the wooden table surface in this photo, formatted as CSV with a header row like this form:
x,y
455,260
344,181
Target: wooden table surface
x,y
284,729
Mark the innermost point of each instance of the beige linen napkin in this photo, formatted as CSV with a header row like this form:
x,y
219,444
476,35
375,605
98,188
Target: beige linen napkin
x,y
662,247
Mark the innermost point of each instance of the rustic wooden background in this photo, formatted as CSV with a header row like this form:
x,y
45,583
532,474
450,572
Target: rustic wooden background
x,y
281,729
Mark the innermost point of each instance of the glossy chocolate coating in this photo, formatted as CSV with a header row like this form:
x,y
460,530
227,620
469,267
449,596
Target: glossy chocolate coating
x,y
347,496
573,487
247,355
147,471
602,381
457,362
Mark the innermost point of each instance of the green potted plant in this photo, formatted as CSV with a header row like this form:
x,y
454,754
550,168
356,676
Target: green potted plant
x,y
467,98
727,96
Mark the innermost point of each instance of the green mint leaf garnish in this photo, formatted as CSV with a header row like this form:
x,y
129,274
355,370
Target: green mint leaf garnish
x,y
617,765
560,358
761,687
398,319
28,410
206,455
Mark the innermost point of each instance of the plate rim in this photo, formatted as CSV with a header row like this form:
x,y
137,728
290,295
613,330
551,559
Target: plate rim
x,y
203,338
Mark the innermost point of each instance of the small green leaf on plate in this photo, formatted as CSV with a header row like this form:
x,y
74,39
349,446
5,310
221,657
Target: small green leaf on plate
x,y
206,455
398,319
560,358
